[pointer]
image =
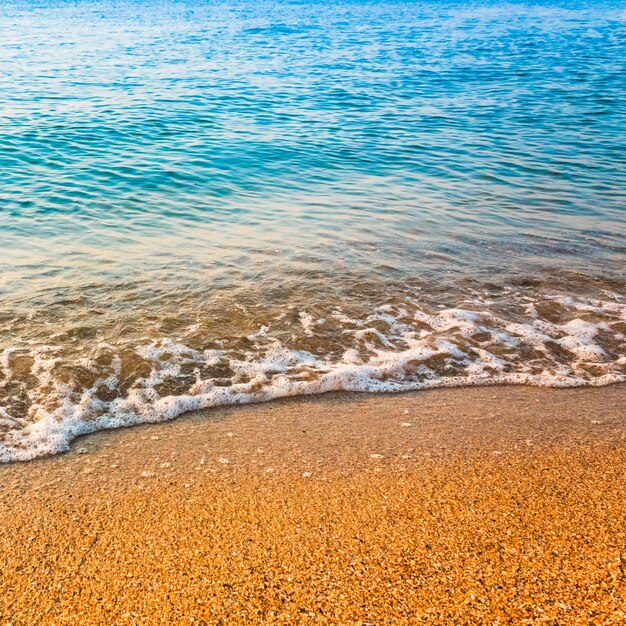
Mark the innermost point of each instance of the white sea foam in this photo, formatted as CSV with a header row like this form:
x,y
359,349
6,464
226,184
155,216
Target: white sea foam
x,y
395,348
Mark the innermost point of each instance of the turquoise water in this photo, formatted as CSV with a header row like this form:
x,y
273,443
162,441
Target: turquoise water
x,y
300,197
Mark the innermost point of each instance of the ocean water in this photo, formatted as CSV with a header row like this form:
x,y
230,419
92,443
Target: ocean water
x,y
207,203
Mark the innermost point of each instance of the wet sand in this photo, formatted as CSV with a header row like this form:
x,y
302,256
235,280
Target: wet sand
x,y
456,506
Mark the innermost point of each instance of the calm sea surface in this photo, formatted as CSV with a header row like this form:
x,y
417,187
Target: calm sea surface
x,y
213,203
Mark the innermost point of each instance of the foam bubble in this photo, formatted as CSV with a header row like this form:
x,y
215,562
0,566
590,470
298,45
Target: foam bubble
x,y
398,347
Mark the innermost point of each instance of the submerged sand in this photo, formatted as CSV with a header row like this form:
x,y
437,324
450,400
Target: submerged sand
x,y
459,506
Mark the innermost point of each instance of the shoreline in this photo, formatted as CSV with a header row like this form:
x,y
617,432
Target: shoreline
x,y
463,505
337,396
436,401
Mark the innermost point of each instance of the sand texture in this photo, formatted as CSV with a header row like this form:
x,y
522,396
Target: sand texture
x,y
486,505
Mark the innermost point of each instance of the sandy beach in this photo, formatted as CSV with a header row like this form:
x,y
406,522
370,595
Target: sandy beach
x,y
465,506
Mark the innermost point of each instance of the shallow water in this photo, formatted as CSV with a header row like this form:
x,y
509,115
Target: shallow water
x,y
208,203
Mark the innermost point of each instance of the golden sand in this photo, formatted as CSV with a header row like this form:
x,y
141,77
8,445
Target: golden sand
x,y
470,506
